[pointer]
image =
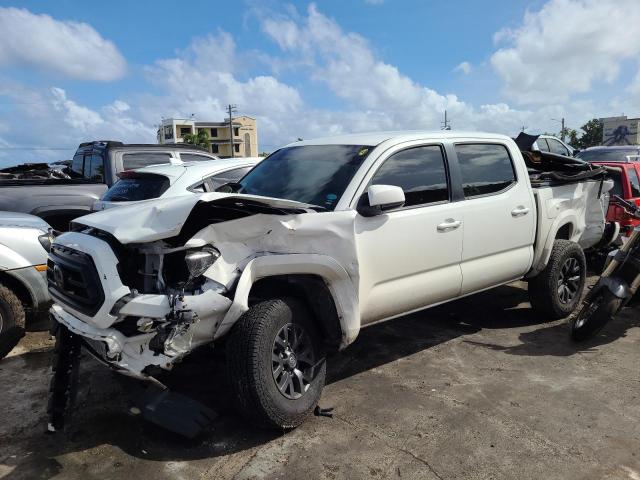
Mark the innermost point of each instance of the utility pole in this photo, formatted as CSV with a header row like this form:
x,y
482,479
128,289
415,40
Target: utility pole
x,y
562,131
231,108
446,124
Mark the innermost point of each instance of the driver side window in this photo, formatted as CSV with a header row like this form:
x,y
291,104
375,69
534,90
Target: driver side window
x,y
419,171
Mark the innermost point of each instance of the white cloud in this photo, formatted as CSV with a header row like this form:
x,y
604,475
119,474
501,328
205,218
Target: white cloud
x,y
566,47
211,72
75,115
377,95
69,48
464,67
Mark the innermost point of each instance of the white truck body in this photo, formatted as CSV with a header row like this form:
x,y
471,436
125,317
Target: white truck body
x,y
375,267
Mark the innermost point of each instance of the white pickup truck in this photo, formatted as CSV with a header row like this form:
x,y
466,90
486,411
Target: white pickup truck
x,y
319,240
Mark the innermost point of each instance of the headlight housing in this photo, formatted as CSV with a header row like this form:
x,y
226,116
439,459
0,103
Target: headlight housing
x,y
46,239
198,261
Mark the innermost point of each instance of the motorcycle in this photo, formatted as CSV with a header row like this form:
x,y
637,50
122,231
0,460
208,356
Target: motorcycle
x,y
615,288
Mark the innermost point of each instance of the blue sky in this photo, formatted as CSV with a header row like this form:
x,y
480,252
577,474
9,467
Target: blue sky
x,y
72,71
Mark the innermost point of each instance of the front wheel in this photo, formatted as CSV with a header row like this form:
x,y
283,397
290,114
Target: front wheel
x,y
275,363
12,319
594,315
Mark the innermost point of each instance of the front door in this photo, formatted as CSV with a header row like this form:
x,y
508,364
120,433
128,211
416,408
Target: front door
x,y
410,257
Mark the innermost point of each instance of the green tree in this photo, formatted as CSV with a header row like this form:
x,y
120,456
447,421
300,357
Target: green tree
x,y
592,134
570,136
200,139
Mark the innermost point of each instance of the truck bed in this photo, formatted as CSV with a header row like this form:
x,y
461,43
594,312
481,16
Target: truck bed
x,y
561,203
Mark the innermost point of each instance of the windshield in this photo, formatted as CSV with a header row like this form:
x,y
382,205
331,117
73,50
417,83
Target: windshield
x,y
608,155
314,174
136,188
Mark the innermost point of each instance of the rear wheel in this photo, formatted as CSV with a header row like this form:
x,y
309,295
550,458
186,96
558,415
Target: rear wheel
x,y
12,317
556,291
594,315
275,363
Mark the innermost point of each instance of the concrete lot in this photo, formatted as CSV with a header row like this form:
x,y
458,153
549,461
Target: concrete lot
x,y
476,389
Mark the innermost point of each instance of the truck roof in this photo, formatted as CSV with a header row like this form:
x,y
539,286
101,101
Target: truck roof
x,y
376,138
116,144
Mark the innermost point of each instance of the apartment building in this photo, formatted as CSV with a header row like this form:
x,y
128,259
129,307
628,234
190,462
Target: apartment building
x,y
245,134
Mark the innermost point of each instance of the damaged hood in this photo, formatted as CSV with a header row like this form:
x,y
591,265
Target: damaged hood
x,y
22,220
164,218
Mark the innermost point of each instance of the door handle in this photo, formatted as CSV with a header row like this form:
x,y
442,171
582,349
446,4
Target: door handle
x,y
449,224
520,211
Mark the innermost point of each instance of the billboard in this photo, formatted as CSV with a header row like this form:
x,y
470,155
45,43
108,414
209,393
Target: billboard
x,y
620,131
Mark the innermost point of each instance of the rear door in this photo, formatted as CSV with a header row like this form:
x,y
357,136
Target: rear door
x,y
499,215
556,147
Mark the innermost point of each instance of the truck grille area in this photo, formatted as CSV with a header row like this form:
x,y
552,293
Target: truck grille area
x,y
73,280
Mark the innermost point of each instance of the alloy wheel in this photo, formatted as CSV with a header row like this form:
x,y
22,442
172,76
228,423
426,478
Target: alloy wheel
x,y
292,361
569,280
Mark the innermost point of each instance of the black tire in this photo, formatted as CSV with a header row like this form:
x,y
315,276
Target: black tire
x,y
12,317
545,293
64,377
594,315
250,365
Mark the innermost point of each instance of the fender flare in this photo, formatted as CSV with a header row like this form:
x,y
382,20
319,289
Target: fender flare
x,y
566,218
616,286
340,284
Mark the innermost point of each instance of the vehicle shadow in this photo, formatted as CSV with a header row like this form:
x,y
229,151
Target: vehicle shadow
x,y
555,340
104,397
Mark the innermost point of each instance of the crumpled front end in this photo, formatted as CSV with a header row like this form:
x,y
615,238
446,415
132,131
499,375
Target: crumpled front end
x,y
143,306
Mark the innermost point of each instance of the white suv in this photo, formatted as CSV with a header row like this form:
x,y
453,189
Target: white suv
x,y
549,143
173,180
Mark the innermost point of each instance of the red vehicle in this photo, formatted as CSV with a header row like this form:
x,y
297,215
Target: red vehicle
x,y
625,171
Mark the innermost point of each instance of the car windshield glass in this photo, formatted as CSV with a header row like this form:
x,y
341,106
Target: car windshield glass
x,y
137,188
314,174
606,155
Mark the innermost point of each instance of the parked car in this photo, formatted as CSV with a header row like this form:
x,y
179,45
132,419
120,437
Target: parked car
x,y
549,143
24,298
624,170
322,238
624,154
173,180
60,197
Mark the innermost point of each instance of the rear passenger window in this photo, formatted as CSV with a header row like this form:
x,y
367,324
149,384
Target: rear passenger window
x,y
420,172
230,176
556,147
542,145
635,183
194,157
94,168
76,165
485,168
615,174
131,161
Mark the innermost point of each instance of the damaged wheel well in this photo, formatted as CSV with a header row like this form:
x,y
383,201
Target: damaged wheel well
x,y
564,232
310,289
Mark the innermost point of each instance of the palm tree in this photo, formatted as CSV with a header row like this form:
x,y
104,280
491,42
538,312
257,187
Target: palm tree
x,y
200,139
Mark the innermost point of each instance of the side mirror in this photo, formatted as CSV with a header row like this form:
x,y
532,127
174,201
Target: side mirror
x,y
379,199
575,152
